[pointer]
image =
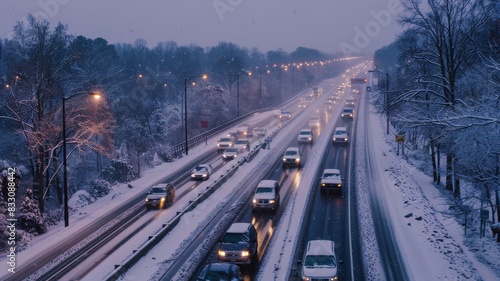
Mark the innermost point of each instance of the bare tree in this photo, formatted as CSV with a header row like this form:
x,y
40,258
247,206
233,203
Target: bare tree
x,y
39,64
447,44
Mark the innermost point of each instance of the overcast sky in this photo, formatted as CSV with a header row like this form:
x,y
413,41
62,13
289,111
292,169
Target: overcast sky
x,y
326,25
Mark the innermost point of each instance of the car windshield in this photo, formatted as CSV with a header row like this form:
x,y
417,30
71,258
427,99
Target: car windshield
x,y
320,261
331,175
200,169
157,190
264,190
236,238
225,139
218,275
231,150
290,152
305,133
340,132
347,110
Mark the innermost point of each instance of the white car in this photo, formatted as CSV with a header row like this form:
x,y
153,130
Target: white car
x,y
201,172
266,196
314,121
340,135
242,144
331,180
291,157
305,135
230,153
320,261
224,143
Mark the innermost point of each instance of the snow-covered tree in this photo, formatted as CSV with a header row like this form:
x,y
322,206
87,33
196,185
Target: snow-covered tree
x,y
30,218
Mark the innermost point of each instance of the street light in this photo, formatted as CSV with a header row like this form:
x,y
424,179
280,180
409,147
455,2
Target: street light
x,y
247,73
186,80
65,180
386,102
260,84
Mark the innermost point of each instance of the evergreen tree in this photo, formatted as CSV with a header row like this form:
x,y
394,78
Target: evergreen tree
x,y
30,218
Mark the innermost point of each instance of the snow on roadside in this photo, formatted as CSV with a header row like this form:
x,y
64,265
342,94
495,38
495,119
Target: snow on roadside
x,y
419,222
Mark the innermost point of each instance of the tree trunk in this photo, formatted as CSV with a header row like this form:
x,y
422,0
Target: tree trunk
x,y
433,157
40,179
449,172
438,165
497,206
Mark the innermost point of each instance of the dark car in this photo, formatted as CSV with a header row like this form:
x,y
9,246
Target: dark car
x,y
220,271
239,244
160,196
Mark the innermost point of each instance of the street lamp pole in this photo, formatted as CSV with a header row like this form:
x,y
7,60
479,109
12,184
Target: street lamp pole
x,y
65,164
238,90
186,80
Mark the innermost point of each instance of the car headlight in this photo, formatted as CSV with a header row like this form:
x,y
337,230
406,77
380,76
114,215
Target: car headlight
x,y
305,278
245,253
271,201
204,175
147,199
222,253
254,201
162,199
218,145
284,159
297,160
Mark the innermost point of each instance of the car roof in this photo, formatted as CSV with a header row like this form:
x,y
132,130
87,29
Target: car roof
x,y
306,130
320,247
162,185
331,171
292,148
239,227
340,129
267,183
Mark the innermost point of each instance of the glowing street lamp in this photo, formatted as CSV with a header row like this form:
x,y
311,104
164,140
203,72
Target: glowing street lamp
x,y
96,96
186,80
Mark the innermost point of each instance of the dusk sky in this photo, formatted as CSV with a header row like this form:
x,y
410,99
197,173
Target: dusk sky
x,y
326,25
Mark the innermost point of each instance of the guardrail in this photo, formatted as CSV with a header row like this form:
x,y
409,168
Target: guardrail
x,y
154,239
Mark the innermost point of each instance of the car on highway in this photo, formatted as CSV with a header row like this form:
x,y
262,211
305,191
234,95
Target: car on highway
x,y
220,271
285,115
201,172
239,244
160,196
328,106
243,129
305,135
224,143
348,113
266,196
242,144
314,121
291,157
259,132
320,261
340,135
350,102
331,180
230,153
302,104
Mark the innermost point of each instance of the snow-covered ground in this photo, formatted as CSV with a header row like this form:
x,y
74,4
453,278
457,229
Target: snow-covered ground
x,y
443,251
